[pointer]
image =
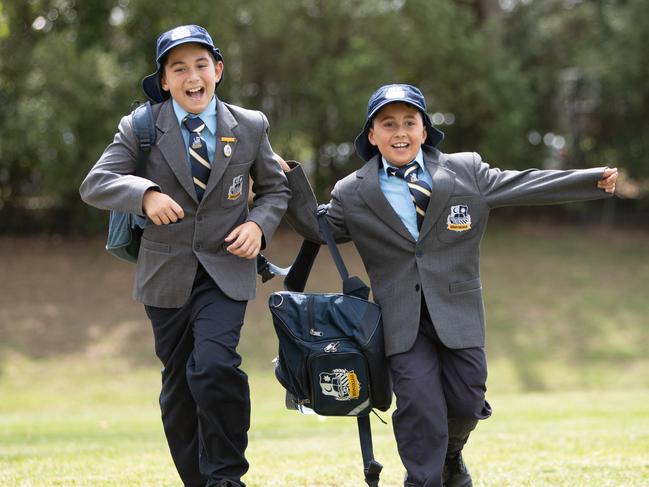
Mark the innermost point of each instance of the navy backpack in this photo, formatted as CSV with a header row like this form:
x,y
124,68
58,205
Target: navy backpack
x,y
331,352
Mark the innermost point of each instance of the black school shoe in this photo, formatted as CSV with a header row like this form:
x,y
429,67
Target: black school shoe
x,y
455,472
227,483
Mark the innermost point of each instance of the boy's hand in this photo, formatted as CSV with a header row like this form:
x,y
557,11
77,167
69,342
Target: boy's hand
x,y
161,208
285,167
245,240
607,183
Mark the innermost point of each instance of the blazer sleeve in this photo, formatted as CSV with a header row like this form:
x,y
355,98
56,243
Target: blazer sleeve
x,y
301,213
535,186
271,192
111,184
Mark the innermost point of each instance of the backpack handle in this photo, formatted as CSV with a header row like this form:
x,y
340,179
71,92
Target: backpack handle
x,y
296,279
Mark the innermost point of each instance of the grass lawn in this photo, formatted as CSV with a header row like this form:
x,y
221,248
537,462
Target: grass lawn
x,y
74,422
567,341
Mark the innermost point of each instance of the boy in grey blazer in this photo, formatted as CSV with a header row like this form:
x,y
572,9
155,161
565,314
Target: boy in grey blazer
x,y
416,216
196,266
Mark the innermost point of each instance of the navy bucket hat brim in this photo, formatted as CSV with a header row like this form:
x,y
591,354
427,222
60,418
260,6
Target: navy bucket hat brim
x,y
183,34
396,93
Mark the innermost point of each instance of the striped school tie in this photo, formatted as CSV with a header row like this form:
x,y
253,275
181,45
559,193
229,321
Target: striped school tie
x,y
198,158
419,189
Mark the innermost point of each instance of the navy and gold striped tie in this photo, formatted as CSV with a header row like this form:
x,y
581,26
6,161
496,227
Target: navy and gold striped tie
x,y
198,157
419,189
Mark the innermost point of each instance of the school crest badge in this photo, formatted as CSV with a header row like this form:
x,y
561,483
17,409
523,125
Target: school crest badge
x,y
459,219
180,33
342,384
235,189
395,92
196,142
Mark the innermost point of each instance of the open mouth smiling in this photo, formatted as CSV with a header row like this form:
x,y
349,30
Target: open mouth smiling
x,y
195,92
400,145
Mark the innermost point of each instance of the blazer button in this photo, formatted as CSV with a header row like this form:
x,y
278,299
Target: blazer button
x,y
417,287
197,247
419,253
199,219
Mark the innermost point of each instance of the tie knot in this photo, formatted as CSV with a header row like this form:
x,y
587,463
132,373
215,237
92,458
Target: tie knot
x,y
407,172
194,124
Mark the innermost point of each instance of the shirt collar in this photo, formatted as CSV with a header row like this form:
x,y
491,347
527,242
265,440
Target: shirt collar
x,y
208,115
419,159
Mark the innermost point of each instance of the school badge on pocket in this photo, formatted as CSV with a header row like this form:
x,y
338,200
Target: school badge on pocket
x,y
235,189
459,219
342,384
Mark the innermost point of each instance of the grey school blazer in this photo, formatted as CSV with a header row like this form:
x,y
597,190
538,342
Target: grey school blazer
x,y
169,254
444,262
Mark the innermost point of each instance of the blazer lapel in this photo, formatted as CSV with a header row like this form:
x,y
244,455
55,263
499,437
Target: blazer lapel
x,y
371,193
172,147
226,134
443,183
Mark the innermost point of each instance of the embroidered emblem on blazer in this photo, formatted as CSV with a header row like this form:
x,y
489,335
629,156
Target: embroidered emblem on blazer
x,y
235,189
459,219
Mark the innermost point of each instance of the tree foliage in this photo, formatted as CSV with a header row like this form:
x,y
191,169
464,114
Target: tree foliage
x,y
494,78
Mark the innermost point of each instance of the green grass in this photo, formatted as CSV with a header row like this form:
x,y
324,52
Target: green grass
x,y
567,341
74,422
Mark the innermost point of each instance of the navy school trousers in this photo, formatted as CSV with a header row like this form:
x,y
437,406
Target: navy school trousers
x,y
205,398
440,396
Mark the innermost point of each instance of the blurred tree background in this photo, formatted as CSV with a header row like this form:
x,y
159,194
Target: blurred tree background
x,y
527,83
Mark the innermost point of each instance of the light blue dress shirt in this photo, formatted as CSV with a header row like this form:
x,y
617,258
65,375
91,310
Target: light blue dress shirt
x,y
208,116
398,195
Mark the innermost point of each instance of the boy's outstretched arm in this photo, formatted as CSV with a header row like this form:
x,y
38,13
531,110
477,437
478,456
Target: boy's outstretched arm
x,y
541,187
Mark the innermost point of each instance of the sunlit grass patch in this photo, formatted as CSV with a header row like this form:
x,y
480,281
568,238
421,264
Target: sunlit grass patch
x,y
68,422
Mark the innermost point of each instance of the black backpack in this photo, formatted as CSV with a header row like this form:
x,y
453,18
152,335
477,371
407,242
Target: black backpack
x,y
331,351
125,229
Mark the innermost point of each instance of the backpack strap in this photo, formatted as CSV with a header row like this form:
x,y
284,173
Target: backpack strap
x,y
372,468
353,285
325,231
144,130
301,268
144,126
299,272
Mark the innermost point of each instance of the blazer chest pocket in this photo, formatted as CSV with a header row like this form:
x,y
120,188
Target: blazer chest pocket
x,y
460,219
235,182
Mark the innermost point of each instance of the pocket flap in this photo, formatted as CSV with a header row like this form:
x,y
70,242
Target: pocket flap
x,y
464,286
155,246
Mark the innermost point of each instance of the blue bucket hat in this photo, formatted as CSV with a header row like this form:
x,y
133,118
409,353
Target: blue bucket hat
x,y
397,93
182,34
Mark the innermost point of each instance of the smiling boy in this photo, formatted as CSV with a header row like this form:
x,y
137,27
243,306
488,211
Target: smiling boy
x,y
417,216
196,268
